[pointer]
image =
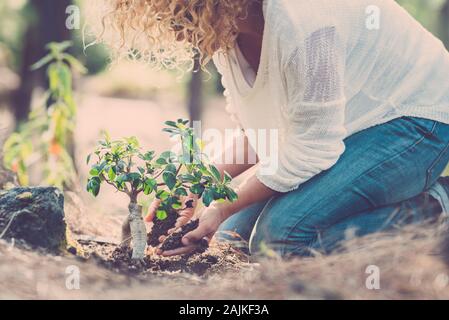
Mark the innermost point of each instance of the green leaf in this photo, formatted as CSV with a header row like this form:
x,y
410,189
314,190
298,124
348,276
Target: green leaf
x,y
215,173
181,126
171,168
232,196
122,178
88,158
59,47
176,206
132,141
112,174
171,124
227,177
161,214
217,193
74,63
208,197
181,192
172,131
169,156
94,172
148,156
150,185
188,144
161,161
162,195
169,180
197,189
93,186
133,176
198,175
187,178
42,62
66,79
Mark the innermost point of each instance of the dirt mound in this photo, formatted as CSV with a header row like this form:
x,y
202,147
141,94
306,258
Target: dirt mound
x,y
218,259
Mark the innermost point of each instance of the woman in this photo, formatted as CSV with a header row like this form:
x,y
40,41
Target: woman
x,y
359,94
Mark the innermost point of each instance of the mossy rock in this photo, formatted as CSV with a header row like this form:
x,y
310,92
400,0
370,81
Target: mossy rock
x,y
35,216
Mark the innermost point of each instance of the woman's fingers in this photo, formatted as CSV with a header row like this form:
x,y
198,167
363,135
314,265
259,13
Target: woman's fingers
x,y
179,251
191,241
193,237
182,221
149,217
186,215
184,250
152,210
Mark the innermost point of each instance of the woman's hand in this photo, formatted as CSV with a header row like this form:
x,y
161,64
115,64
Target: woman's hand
x,y
210,219
189,203
185,215
250,192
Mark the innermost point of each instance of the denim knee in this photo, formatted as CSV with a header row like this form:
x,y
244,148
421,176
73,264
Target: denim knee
x,y
285,240
238,228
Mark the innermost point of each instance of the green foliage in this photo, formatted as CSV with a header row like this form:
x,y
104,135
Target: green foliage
x,y
44,138
123,165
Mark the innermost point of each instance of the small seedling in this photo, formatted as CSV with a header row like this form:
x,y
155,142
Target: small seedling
x,y
167,177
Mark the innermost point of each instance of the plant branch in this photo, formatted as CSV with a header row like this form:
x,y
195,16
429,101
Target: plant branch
x,y
112,184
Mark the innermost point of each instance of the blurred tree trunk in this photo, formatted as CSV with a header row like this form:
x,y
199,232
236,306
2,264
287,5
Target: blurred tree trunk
x,y
46,24
195,93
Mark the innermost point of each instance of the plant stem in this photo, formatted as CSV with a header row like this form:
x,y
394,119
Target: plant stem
x,y
138,230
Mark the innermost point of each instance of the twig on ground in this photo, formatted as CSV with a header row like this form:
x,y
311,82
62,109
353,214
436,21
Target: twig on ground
x,y
8,225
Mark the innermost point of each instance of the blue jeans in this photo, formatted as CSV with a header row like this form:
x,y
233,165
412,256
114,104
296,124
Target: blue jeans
x,y
378,184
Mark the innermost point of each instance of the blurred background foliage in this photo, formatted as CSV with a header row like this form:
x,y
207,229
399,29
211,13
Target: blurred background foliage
x,y
433,14
27,25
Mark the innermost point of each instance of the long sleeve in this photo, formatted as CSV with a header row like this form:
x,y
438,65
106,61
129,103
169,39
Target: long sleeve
x,y
313,141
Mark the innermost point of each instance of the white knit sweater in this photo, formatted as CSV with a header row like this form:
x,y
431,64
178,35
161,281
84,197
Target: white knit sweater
x,y
327,72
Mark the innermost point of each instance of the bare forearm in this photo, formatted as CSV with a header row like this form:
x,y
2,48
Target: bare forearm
x,y
249,192
237,158
233,170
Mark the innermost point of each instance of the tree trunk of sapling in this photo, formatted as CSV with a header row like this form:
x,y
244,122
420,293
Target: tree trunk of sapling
x,y
134,230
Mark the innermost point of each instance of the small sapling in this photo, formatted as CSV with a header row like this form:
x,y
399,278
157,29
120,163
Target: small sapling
x,y
168,177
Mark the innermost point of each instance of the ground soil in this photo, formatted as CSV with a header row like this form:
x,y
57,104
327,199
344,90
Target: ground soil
x,y
220,258
410,264
161,227
174,240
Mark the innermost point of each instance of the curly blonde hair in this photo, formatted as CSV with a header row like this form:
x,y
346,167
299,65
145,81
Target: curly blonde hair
x,y
170,33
